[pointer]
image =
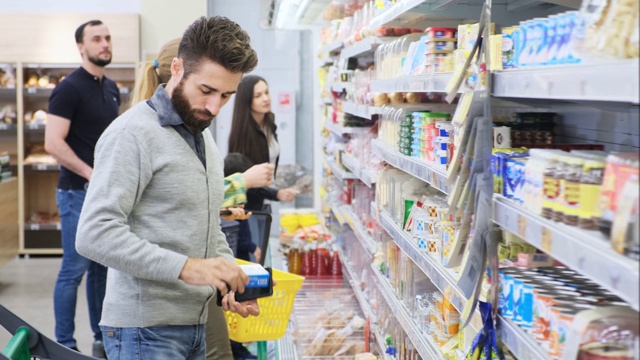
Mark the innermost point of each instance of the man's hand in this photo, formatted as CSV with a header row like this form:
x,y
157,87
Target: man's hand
x,y
237,213
216,272
257,254
243,309
287,195
259,175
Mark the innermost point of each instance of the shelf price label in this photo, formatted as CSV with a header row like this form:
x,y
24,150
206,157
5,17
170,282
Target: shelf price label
x,y
35,227
522,226
41,167
32,90
547,243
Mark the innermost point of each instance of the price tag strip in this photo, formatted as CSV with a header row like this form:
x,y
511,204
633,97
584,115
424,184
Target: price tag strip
x,y
587,252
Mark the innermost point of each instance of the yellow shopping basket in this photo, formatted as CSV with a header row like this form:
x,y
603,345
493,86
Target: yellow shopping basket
x,y
275,310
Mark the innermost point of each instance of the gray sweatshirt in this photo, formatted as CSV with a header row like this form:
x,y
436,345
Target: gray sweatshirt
x,y
150,205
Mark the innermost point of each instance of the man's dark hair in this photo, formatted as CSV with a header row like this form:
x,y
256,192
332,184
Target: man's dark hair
x,y
236,163
220,40
80,29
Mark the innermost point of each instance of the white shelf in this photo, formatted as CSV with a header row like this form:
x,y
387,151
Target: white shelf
x,y
344,130
587,252
439,276
520,343
432,174
418,83
341,174
337,212
359,110
395,11
361,233
41,167
333,47
423,344
614,81
363,174
37,227
354,281
339,86
364,47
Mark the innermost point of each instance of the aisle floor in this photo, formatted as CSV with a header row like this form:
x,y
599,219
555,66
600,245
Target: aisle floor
x,y
26,289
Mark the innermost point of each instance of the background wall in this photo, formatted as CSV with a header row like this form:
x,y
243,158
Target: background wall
x,y
160,20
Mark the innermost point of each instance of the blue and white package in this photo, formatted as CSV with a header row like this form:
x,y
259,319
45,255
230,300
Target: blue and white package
x,y
258,276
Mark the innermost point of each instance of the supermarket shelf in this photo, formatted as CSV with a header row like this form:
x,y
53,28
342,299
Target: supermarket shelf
x,y
37,92
361,233
339,86
364,47
35,127
365,306
38,251
521,344
432,174
363,174
363,111
327,101
354,281
41,167
7,127
579,82
37,227
440,277
337,212
7,93
423,344
587,252
333,47
341,174
417,83
342,130
393,13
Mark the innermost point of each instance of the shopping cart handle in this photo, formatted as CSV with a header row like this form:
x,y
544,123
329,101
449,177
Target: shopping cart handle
x,y
40,346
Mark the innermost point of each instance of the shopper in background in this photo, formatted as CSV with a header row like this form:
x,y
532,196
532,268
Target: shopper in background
x,y
80,109
151,209
253,134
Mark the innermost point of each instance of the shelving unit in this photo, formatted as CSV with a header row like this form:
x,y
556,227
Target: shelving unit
x,y
345,130
597,82
587,252
340,173
432,174
604,86
361,233
359,110
423,344
366,47
38,181
441,277
363,174
418,83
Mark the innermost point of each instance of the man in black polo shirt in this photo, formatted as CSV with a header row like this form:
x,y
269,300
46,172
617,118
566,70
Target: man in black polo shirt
x,y
80,109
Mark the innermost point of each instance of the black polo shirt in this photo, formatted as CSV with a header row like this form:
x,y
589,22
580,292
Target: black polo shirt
x,y
91,105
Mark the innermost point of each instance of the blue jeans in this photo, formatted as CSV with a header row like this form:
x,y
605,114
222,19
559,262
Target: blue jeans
x,y
157,342
73,268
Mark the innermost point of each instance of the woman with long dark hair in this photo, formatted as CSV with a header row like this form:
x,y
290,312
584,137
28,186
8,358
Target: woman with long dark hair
x,y
253,134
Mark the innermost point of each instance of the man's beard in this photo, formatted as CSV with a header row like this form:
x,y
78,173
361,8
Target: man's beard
x,y
99,62
188,115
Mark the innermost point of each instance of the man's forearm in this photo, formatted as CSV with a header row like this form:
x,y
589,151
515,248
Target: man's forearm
x,y
67,158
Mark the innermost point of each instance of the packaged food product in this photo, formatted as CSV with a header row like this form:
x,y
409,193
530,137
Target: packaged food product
x,y
440,33
509,40
434,45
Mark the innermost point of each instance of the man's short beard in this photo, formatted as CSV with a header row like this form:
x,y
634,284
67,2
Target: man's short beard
x,y
188,115
99,62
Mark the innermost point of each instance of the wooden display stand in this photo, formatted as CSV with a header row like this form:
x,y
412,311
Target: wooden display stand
x,y
44,44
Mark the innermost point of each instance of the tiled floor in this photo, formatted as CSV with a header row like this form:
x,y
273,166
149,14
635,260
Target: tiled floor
x,y
26,289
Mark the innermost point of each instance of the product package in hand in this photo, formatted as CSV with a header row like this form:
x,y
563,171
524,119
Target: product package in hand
x,y
260,284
